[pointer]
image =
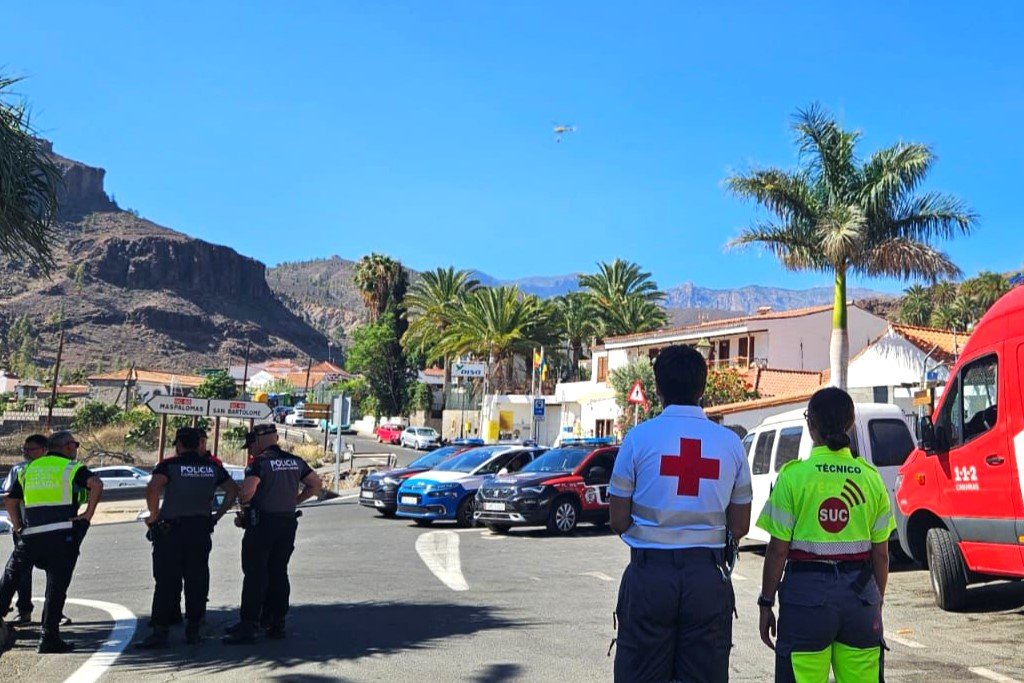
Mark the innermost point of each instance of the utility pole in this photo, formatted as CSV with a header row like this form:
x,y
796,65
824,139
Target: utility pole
x,y
245,372
56,377
309,368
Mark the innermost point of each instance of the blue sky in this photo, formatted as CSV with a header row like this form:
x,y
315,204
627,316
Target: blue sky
x,y
423,129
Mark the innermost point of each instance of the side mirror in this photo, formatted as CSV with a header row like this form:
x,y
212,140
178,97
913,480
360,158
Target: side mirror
x,y
926,434
597,475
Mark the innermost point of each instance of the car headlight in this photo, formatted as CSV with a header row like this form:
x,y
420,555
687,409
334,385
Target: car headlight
x,y
443,487
390,481
533,490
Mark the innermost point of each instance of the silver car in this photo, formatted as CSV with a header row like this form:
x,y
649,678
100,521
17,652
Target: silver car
x,y
420,438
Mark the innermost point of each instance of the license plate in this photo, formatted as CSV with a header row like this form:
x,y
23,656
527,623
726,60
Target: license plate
x,y
494,507
366,494
410,500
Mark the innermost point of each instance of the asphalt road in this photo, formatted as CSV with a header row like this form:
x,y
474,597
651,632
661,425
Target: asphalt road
x,y
524,607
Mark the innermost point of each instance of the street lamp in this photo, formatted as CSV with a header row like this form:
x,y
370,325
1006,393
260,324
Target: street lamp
x,y
704,348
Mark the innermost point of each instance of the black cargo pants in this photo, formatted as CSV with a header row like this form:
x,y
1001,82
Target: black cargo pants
x,y
181,558
56,553
675,614
266,550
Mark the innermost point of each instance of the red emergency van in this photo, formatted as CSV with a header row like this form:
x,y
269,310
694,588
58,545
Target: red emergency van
x,y
960,496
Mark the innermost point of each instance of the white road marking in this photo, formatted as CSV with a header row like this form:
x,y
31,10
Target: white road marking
x,y
905,642
991,675
112,647
439,550
598,575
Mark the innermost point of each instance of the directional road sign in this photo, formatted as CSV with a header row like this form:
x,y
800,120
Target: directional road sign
x,y
249,410
179,405
317,411
636,394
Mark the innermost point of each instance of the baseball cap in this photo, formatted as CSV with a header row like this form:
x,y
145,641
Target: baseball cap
x,y
259,430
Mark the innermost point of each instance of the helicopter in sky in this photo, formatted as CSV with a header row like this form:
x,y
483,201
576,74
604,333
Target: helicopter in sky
x,y
561,129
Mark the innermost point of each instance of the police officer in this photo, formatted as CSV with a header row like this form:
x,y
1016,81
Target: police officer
x,y
50,530
269,496
34,447
181,531
679,487
830,520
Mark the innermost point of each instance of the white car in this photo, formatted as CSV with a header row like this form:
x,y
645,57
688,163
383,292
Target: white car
x,y
122,477
420,438
5,524
297,418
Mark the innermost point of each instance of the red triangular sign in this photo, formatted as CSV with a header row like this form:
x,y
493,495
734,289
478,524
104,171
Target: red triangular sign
x,y
636,394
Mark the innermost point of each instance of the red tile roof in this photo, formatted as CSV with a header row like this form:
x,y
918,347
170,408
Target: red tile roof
x,y
150,377
758,404
947,345
768,382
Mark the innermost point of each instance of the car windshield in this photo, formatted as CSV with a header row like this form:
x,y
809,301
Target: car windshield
x,y
434,458
426,432
558,460
470,460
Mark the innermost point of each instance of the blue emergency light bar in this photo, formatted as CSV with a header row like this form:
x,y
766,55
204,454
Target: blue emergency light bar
x,y
467,442
589,441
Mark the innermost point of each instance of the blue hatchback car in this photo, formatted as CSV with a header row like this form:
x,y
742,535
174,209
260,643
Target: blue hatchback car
x,y
449,490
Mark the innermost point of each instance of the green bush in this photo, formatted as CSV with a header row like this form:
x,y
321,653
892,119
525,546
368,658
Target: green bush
x,y
143,428
93,415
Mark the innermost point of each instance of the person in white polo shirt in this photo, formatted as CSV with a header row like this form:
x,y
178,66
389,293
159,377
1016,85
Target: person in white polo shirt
x,y
680,483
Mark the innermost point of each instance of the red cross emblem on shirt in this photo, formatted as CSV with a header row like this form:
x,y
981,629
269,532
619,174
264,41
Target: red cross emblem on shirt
x,y
689,467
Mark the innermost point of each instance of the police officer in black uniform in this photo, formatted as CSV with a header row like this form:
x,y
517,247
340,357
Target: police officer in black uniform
x,y
180,530
269,496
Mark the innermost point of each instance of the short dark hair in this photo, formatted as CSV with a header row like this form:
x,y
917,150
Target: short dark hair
x,y
37,440
681,375
831,412
187,437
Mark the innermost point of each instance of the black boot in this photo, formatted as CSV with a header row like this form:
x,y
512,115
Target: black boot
x,y
53,645
24,618
244,634
159,637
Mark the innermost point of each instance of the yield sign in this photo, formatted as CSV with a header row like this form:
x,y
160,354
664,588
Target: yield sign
x,y
636,394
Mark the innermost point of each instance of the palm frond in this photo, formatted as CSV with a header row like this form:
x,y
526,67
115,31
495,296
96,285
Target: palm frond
x,y
788,195
933,215
794,246
905,259
828,150
893,173
842,234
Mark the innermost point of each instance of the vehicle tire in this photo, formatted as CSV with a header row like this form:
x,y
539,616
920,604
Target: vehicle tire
x,y
563,517
423,522
390,514
499,528
378,439
464,513
947,570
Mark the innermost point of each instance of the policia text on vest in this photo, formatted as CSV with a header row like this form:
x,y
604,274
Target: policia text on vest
x,y
49,491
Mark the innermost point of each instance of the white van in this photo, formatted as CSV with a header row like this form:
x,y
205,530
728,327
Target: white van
x,y
880,435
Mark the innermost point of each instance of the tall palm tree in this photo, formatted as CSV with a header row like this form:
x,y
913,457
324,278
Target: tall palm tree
x,y
839,216
29,182
497,324
916,306
432,302
577,324
382,282
619,285
986,288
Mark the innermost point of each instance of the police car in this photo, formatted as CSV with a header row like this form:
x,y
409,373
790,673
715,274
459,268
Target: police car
x,y
380,489
448,491
560,489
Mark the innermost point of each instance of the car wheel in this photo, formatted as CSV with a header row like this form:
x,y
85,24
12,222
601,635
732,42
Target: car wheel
x,y
947,570
499,528
464,514
423,522
563,517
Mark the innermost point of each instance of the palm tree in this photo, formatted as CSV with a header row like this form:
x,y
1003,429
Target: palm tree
x,y
838,216
432,302
577,324
29,181
622,284
497,324
382,282
986,289
916,306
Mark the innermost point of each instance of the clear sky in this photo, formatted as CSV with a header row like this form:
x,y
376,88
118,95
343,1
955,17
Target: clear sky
x,y
424,129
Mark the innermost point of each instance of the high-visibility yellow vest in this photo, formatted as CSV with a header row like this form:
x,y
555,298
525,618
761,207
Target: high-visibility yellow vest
x,y
49,501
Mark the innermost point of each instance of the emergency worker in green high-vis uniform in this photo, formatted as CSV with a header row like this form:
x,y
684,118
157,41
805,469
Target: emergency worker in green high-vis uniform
x,y
830,520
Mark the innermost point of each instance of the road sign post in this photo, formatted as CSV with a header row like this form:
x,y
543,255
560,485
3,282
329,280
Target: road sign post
x,y
539,408
637,397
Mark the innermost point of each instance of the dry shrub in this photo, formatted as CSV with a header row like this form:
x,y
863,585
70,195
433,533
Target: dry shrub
x,y
310,452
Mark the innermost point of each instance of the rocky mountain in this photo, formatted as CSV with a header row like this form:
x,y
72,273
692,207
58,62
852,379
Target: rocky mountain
x,y
130,291
748,299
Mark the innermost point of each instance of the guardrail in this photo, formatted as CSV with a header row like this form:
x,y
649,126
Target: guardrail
x,y
392,459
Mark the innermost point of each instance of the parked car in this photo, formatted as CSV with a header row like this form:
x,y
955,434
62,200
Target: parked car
x,y
280,413
558,490
5,524
449,490
880,435
297,418
323,424
380,489
122,477
960,491
389,432
420,438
